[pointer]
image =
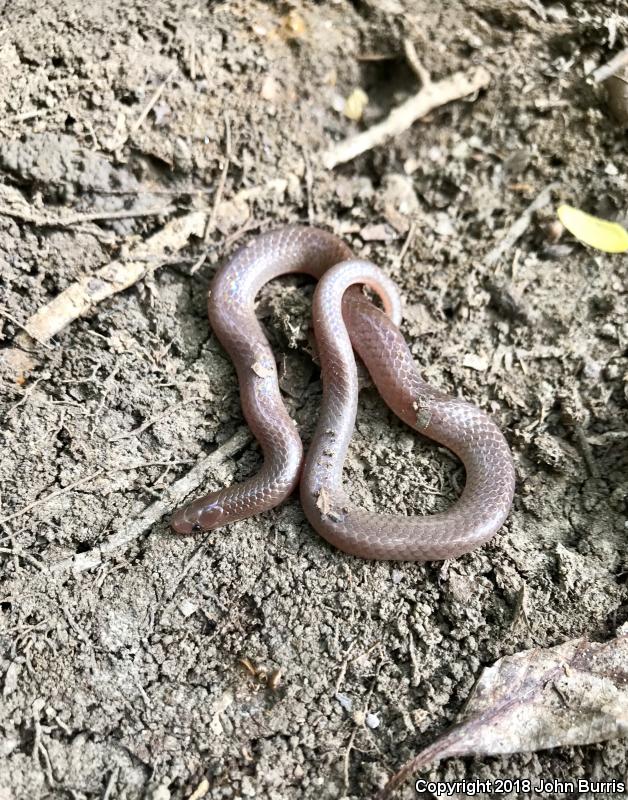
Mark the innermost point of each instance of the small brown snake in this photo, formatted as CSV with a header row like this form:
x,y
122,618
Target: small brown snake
x,y
344,319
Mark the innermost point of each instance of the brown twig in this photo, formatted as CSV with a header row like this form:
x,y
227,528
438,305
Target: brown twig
x,y
114,277
309,186
17,208
25,115
117,143
50,496
343,667
9,551
132,529
431,96
350,745
519,226
200,791
149,422
211,220
111,783
153,99
94,216
406,245
74,219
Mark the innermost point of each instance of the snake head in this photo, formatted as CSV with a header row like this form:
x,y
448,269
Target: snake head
x,y
201,515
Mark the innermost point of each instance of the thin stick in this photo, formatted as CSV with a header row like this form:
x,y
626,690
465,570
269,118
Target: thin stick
x,y
249,225
415,62
200,791
431,96
209,227
134,528
154,98
12,319
149,422
346,757
519,226
50,496
124,467
35,112
309,186
111,783
21,554
407,243
343,668
347,754
74,219
611,67
47,765
114,277
120,140
127,214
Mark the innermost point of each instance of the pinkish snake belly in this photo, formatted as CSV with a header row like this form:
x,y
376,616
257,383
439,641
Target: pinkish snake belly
x,y
344,319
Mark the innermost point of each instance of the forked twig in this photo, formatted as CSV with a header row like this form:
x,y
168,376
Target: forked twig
x,y
431,95
132,529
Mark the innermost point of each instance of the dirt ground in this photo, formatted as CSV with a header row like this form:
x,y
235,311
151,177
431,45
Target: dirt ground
x,y
126,680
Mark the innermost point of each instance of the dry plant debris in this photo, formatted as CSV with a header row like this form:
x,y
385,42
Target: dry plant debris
x,y
609,237
520,225
131,529
572,694
431,95
116,276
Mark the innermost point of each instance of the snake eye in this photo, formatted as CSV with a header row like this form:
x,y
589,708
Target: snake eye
x,y
196,528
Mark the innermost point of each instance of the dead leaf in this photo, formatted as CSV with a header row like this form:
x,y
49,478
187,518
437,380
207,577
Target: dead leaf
x,y
323,502
572,694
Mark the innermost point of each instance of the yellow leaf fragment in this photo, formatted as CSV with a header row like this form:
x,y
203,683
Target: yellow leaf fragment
x,y
610,237
355,104
292,26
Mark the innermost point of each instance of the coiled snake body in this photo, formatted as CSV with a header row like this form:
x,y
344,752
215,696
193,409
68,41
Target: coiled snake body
x,y
344,320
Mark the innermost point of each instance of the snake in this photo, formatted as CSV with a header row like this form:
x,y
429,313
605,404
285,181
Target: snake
x,y
345,320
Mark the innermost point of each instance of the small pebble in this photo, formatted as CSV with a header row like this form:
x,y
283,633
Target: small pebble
x,y
473,361
345,702
187,608
372,721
